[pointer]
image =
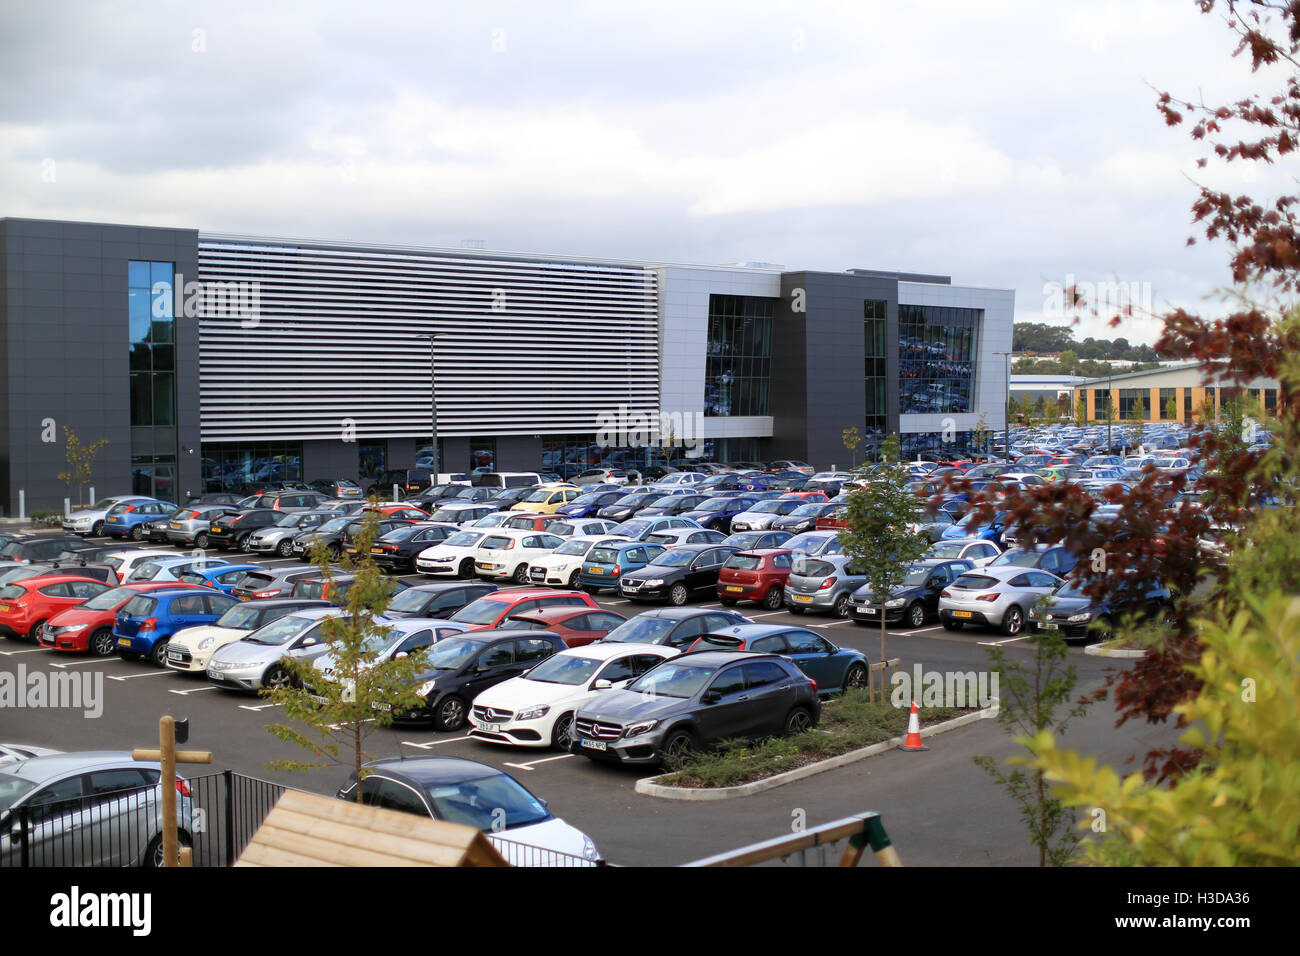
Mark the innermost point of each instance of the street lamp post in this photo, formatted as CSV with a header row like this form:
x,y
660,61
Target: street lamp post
x,y
1006,410
1110,405
433,407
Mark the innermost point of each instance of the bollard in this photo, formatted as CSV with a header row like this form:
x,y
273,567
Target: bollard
x,y
92,496
22,505
67,507
395,498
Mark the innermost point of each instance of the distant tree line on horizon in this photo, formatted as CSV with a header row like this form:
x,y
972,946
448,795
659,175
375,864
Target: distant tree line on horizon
x,y
1075,358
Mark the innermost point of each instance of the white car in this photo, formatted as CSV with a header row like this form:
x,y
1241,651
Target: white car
x,y
976,550
679,479
454,557
124,562
507,553
562,566
536,710
573,527
494,520
90,521
12,753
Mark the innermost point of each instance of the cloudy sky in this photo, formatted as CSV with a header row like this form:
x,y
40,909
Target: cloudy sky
x,y
1007,144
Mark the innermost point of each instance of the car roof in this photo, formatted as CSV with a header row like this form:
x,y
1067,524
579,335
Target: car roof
x,y
680,613
40,769
429,770
1004,571
719,658
557,613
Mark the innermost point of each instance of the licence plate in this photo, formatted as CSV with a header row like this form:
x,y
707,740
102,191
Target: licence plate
x,y
1051,627
594,744
490,728
114,520
734,588
597,571
376,550
244,597
803,599
962,614
214,529
376,705
173,654
866,609
124,642
320,700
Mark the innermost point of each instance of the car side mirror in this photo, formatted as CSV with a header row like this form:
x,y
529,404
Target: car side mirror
x,y
400,654
711,697
308,642
602,684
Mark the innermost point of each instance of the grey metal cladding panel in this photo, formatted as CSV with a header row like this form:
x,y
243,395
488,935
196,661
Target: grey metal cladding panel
x,y
518,453
330,459
38,246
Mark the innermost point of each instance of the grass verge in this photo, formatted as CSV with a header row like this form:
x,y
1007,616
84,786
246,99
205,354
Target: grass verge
x,y
848,723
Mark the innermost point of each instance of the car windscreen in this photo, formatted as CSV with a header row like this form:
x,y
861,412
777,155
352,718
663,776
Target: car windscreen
x,y
281,631
672,679
482,611
564,670
454,653
642,630
13,789
107,600
464,539
139,606
486,803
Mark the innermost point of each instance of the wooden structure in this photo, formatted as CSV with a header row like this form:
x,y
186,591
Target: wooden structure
x,y
169,757
304,829
861,831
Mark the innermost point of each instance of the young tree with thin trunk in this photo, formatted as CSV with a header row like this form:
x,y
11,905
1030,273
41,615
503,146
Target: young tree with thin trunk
x,y
81,462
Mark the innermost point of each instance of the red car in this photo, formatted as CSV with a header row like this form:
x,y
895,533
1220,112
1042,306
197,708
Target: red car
x,y
757,575
89,626
407,512
495,610
807,496
531,521
577,625
27,604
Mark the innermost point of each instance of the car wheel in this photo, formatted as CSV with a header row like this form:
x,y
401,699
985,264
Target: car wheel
x,y
466,569
285,548
34,633
450,714
677,745
277,678
153,856
916,615
856,676
521,574
336,552
98,529
1103,630
573,579
727,602
677,595
137,533
159,654
246,543
794,609
953,625
1013,621
798,721
772,600
201,540
841,606
562,732
101,643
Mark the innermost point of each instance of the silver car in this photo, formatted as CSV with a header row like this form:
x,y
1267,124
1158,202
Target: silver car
x,y
189,525
278,538
255,661
90,521
822,583
995,597
86,809
763,513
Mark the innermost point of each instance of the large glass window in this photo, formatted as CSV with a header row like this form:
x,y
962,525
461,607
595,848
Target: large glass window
x,y
739,357
372,459
936,358
241,468
152,343
1167,395
482,454
874,314
1131,399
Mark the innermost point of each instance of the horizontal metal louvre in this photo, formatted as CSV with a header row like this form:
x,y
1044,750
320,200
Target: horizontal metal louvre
x,y
527,346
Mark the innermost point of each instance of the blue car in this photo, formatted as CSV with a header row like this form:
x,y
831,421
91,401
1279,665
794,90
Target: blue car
x,y
222,576
586,505
717,512
607,563
966,528
147,622
127,519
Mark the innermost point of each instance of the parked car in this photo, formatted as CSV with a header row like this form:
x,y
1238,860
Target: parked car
x,y
1054,558
677,574
716,513
30,548
576,527
171,568
461,668
272,582
803,518
694,701
756,540
578,626
147,622
256,660
606,563
335,588
298,499
994,597
563,566
587,504
677,627
677,537
639,529
761,514
91,808
438,600
90,521
1077,616
26,605
128,518
822,583
536,709
396,551
454,556
834,669
337,487
757,575
978,551
506,554
221,576
88,626
188,525
277,537
672,503
498,608
189,648
628,505
232,531
462,791
916,598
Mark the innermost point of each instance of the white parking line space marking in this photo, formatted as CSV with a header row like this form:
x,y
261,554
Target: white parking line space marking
x,y
1009,640
768,614
831,624
30,650
922,630
192,690
146,674
89,660
532,764
256,707
433,743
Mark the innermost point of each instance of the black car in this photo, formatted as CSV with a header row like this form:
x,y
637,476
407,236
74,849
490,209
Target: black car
x,y
397,549
156,530
28,548
347,539
672,505
804,518
673,626
229,531
628,505
677,574
916,600
463,667
1076,616
696,700
439,600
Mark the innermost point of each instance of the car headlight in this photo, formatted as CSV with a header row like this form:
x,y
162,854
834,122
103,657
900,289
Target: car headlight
x,y
71,629
896,602
653,583
642,728
427,688
206,643
532,713
589,849
1078,618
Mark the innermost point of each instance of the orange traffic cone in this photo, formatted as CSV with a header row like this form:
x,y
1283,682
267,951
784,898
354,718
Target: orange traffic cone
x,y
913,741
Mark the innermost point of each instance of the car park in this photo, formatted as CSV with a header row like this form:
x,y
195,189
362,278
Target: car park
x,y
915,599
822,583
437,600
473,794
189,648
694,701
277,537
994,597
460,668
536,709
146,623
757,575
496,609
26,605
576,625
677,627
676,575
606,563
834,669
90,521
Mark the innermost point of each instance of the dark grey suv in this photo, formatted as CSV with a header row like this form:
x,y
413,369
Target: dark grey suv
x,y
693,701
